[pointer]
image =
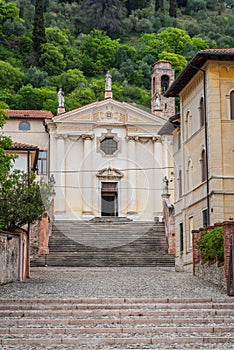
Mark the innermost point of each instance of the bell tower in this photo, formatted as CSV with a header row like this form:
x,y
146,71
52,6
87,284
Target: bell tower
x,y
162,77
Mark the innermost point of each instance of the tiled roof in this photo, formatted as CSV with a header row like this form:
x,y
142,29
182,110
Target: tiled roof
x,y
29,114
195,65
19,145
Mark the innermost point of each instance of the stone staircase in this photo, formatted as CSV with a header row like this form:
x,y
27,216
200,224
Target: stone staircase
x,y
117,323
106,242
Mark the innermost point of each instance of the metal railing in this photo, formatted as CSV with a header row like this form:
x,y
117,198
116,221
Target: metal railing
x,y
230,287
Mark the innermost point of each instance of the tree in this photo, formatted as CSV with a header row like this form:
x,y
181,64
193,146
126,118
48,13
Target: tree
x,y
21,200
6,159
106,15
159,5
38,35
172,8
135,4
98,53
10,77
173,40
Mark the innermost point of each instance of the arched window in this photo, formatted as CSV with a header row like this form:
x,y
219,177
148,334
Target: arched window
x,y
187,126
203,166
202,112
180,184
24,125
232,104
164,83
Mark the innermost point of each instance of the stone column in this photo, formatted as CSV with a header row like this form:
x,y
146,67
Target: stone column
x,y
132,182
60,175
87,182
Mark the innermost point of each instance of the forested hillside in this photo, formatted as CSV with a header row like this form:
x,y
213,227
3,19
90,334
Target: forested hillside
x,y
48,44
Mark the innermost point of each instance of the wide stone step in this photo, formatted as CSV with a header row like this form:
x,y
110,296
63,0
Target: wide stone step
x,y
106,323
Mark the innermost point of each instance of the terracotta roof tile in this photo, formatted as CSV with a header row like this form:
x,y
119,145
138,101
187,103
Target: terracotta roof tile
x,y
29,114
19,145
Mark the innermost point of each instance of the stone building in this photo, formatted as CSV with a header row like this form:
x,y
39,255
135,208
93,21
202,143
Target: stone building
x,y
107,157
28,132
203,146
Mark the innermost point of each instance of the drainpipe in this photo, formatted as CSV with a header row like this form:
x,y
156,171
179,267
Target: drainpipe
x,y
206,145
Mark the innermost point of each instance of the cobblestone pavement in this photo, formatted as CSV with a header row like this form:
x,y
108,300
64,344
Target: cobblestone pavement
x,y
110,282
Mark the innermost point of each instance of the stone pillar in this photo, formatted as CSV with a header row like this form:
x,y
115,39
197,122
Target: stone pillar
x,y
60,175
43,244
87,182
196,234
132,182
228,233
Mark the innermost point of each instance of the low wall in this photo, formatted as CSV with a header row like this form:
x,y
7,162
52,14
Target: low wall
x,y
13,256
214,271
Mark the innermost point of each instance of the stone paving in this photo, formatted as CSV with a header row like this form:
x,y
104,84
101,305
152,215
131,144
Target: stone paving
x,y
60,285
110,282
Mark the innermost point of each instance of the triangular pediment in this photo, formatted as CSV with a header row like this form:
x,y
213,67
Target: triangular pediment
x,y
109,112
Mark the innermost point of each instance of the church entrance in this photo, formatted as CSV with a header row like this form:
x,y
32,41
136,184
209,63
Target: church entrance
x,y
109,199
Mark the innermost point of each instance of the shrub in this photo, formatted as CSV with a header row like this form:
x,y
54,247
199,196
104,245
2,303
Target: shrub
x,y
211,244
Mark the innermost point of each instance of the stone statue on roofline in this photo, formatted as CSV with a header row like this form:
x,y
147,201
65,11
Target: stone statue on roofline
x,y
61,98
108,81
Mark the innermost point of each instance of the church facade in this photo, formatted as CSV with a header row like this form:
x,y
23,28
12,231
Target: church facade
x,y
107,157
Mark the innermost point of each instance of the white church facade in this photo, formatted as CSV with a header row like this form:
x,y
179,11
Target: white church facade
x,y
107,157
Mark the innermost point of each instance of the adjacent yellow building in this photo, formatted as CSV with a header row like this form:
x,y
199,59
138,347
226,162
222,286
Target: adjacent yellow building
x,y
203,146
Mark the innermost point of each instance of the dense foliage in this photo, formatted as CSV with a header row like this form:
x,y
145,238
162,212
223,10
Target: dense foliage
x,y
48,44
211,244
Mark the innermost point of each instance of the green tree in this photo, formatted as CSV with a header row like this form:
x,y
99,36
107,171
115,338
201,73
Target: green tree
x,y
70,80
105,15
173,40
10,77
38,35
172,8
6,159
98,53
36,77
178,61
52,59
159,5
21,200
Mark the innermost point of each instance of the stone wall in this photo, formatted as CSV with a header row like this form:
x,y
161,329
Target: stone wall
x,y
215,272
9,257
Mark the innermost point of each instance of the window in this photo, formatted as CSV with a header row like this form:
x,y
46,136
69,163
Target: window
x,y
42,163
202,112
203,166
190,231
181,237
180,183
205,217
179,140
164,83
109,146
24,125
232,104
189,176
